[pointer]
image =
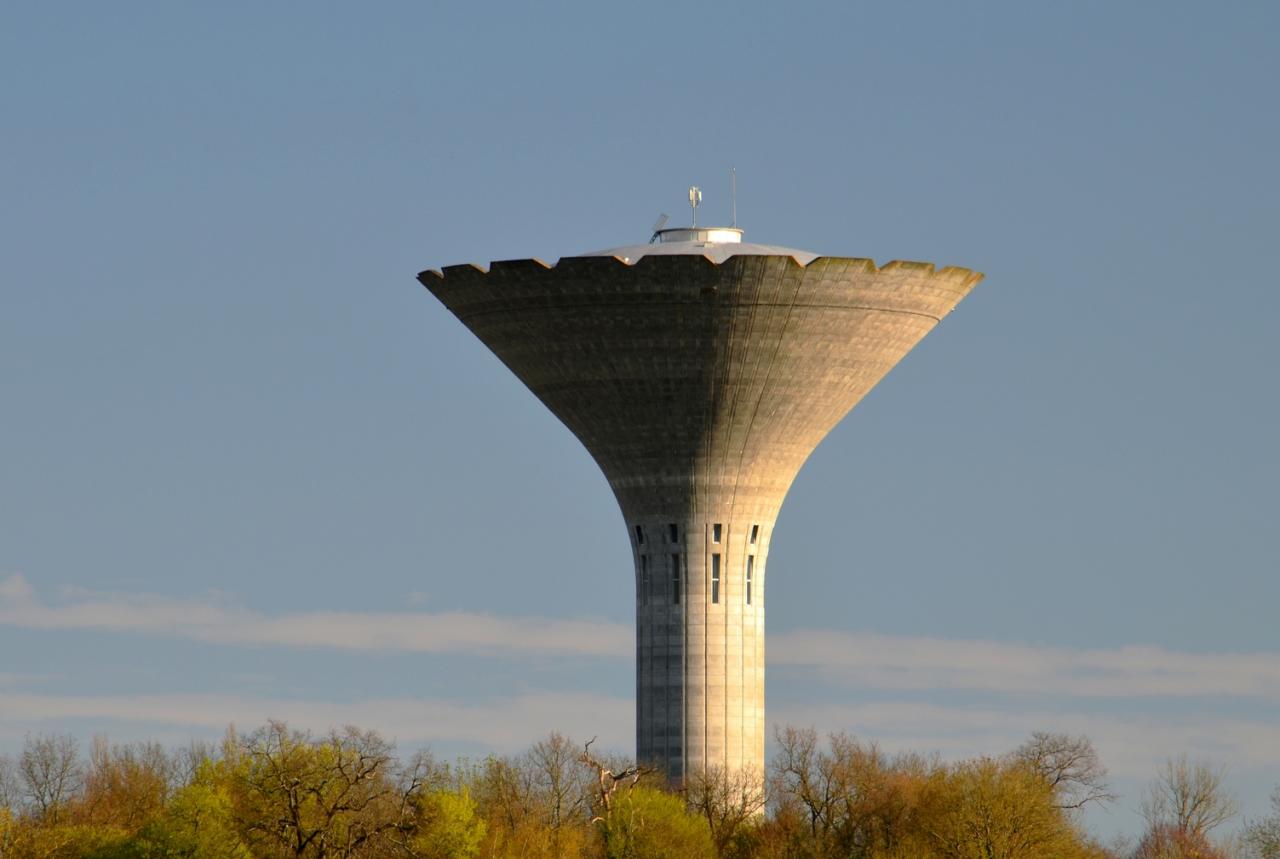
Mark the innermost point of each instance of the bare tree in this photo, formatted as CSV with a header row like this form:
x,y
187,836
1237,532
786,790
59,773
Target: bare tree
x,y
1263,836
559,782
1189,797
50,770
608,781
728,799
808,777
126,785
186,761
1071,767
10,794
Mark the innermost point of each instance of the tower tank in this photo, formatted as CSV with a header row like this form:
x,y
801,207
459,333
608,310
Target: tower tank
x,y
700,371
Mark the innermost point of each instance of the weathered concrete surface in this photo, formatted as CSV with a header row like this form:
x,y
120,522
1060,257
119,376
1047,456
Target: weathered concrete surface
x,y
700,389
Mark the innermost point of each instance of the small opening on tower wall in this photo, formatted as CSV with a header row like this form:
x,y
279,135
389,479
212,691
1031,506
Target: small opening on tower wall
x,y
755,532
715,578
639,534
675,532
715,533
675,579
751,562
644,579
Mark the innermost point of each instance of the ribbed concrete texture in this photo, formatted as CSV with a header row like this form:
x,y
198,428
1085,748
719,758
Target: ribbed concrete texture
x,y
700,389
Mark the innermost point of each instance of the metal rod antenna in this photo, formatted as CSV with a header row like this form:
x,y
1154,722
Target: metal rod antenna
x,y
733,195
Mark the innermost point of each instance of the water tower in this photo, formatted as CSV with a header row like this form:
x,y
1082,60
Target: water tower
x,y
700,371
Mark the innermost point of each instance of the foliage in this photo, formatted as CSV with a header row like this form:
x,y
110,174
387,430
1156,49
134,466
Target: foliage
x,y
279,793
332,797
448,827
646,823
198,822
989,809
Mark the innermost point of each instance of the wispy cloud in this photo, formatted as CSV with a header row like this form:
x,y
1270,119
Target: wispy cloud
x,y
213,619
1132,745
869,660
503,723
858,660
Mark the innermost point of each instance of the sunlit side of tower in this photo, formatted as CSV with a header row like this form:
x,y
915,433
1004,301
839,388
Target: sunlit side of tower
x,y
700,372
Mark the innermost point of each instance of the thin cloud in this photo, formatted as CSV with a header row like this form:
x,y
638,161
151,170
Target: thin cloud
x,y
868,660
216,621
1131,744
858,660
506,723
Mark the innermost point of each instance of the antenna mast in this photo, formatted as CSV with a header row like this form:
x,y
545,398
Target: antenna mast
x,y
695,197
733,195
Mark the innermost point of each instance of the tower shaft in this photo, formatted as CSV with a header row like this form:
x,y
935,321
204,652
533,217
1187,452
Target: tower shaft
x,y
700,642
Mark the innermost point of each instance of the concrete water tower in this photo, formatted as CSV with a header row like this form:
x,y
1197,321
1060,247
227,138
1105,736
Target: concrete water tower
x,y
700,371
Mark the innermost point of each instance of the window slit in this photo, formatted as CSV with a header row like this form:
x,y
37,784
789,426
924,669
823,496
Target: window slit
x,y
715,578
751,562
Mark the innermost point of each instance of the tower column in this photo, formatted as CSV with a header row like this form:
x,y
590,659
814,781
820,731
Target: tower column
x,y
700,643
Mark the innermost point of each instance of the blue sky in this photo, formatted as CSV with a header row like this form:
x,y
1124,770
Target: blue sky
x,y
252,469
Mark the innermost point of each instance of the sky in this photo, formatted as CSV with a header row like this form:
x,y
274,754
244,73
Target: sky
x,y
251,469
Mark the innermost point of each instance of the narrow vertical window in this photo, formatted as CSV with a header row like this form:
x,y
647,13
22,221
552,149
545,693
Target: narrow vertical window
x,y
644,579
715,533
675,579
751,563
639,534
675,533
755,532
715,578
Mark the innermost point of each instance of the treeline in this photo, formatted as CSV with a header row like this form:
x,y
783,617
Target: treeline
x,y
283,793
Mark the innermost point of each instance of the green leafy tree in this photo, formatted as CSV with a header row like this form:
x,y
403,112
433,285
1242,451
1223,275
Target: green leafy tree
x,y
449,826
647,823
199,821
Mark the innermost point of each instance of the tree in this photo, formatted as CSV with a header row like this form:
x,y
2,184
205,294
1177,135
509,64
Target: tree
x,y
855,801
729,800
557,779
10,792
809,781
1168,841
1263,836
333,797
992,809
1189,797
1071,767
607,782
50,772
647,823
559,796
448,826
199,820
125,785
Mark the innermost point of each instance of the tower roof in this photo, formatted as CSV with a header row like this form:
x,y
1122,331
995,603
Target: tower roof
x,y
715,243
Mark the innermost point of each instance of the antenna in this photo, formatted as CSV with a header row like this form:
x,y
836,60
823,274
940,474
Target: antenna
x,y
733,195
695,197
657,227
